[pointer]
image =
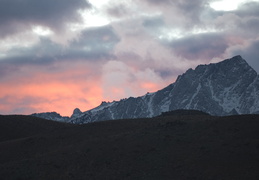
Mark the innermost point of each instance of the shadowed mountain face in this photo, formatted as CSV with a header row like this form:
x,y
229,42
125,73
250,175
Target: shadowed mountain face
x,y
226,88
179,147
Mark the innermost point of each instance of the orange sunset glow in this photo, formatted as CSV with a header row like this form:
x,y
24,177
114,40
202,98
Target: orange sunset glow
x,y
50,96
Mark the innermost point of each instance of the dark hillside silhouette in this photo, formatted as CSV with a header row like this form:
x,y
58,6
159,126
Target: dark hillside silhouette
x,y
183,112
170,147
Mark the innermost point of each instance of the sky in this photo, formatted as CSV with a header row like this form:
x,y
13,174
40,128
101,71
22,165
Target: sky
x,y
61,55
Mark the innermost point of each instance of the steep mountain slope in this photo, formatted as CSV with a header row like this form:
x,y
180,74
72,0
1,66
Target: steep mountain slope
x,y
225,88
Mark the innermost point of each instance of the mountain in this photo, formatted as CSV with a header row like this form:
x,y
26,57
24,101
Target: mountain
x,y
225,88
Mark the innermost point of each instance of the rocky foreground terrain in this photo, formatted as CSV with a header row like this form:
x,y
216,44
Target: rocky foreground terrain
x,y
179,146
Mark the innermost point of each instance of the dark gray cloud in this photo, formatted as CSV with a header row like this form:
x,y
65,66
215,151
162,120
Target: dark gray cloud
x,y
249,18
248,9
118,11
192,8
183,9
203,46
154,25
17,15
154,22
93,44
159,2
100,40
186,5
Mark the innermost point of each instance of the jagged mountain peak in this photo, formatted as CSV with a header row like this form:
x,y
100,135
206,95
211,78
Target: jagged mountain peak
x,y
236,63
226,72
236,60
